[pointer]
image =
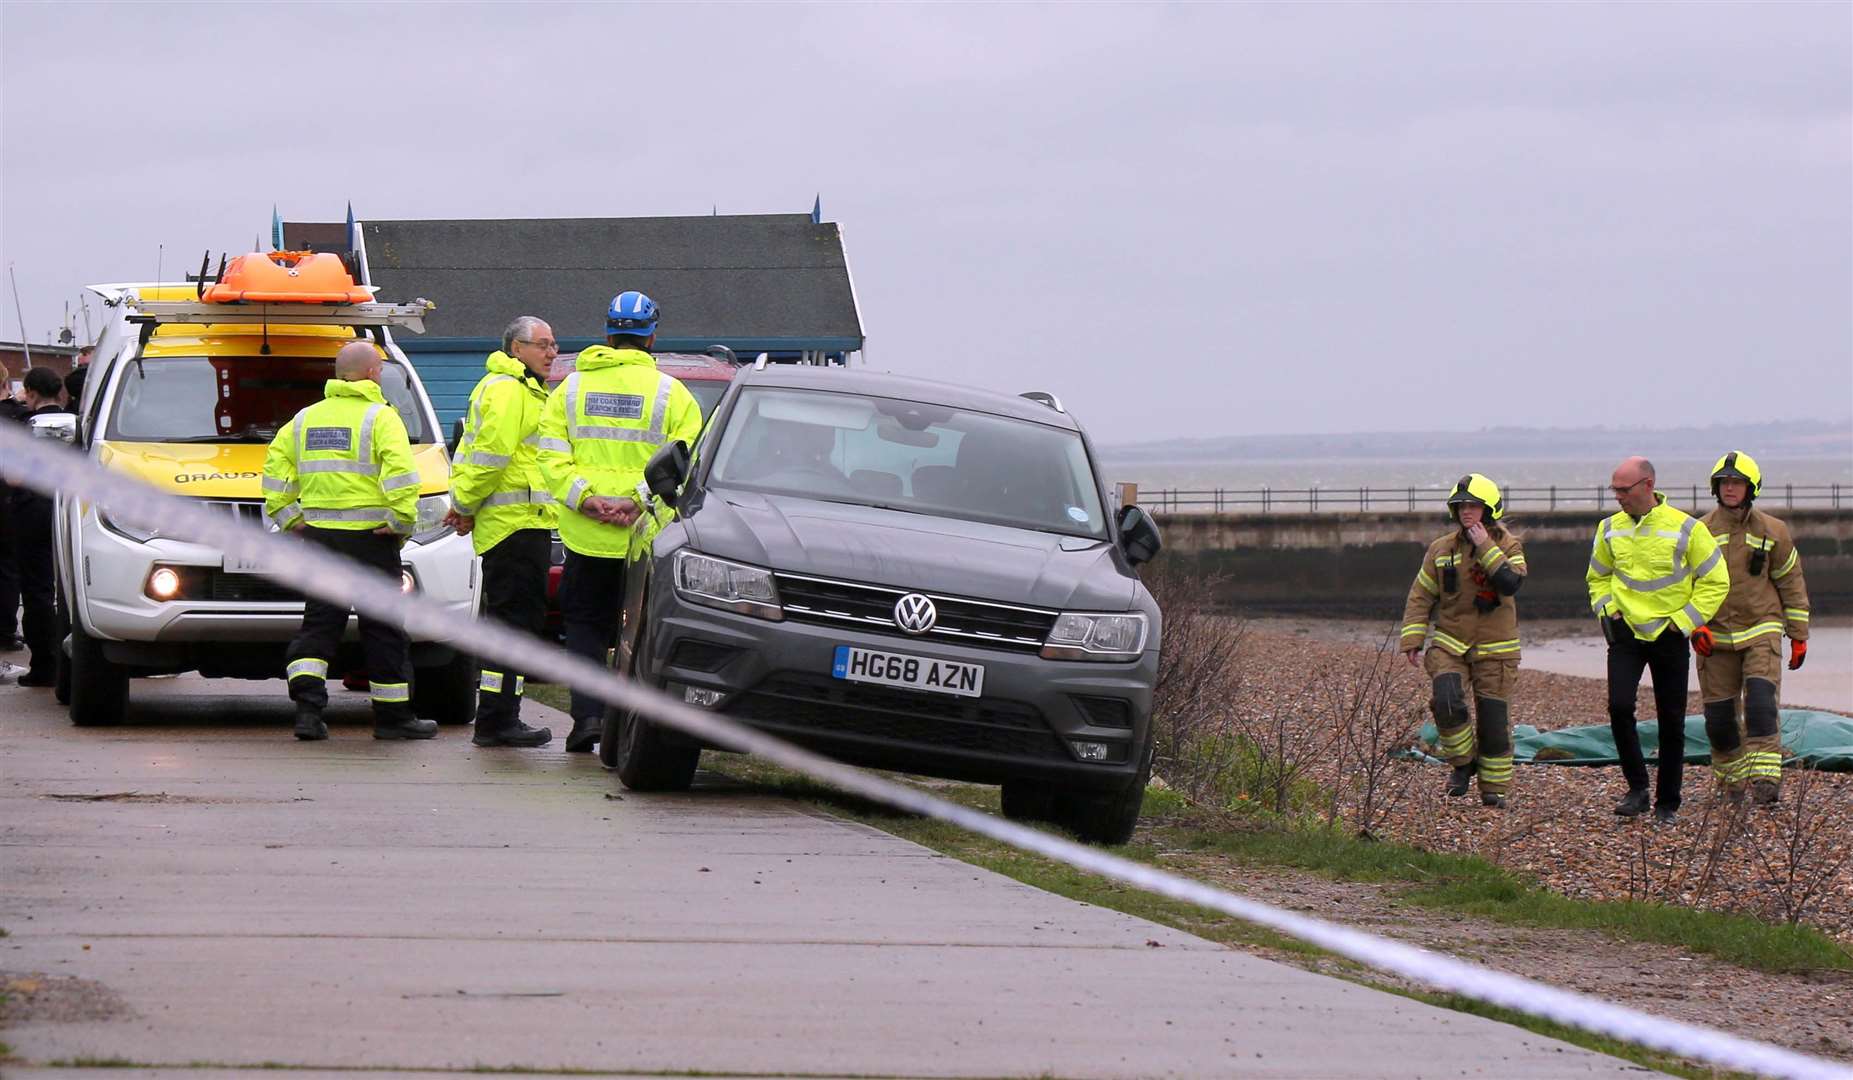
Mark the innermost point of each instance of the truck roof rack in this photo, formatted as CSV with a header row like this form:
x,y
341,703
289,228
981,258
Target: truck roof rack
x,y
163,312
1043,398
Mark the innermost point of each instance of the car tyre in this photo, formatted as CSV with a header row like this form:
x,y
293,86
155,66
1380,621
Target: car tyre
x,y
446,692
1107,818
1027,800
644,758
99,686
61,690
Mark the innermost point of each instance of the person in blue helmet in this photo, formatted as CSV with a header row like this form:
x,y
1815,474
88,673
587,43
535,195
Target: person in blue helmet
x,y
598,430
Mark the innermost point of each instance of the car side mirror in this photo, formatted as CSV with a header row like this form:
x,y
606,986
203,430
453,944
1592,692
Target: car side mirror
x,y
54,426
456,437
667,470
1138,535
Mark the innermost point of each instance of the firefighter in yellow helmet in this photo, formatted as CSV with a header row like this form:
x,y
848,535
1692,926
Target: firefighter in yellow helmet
x,y
341,475
1465,589
1655,576
1768,599
597,432
499,498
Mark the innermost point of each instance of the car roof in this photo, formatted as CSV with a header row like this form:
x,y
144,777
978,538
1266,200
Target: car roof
x,y
907,388
697,367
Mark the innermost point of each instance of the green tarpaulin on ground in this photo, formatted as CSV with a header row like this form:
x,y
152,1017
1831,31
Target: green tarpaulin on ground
x,y
1812,740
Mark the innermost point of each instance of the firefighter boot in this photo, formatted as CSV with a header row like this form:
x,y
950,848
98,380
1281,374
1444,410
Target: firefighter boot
x,y
1763,748
1492,799
309,725
1459,780
584,736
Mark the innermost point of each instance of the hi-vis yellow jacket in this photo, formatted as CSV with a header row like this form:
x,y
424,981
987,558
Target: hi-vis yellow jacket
x,y
1467,591
343,463
1768,596
496,478
1664,568
597,433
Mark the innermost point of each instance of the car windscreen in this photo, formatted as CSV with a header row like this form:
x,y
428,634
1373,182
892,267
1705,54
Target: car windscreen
x,y
235,399
909,455
707,394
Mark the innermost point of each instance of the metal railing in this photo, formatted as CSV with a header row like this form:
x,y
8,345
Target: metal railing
x,y
1266,500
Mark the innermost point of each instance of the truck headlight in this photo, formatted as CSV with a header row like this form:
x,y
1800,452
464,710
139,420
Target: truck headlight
x,y
1080,636
429,525
137,533
729,585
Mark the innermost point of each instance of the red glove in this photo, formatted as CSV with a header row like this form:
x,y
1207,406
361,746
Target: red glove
x,y
1702,640
1798,651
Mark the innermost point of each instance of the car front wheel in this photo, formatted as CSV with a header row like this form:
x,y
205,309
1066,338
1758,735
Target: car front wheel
x,y
1106,818
99,686
644,758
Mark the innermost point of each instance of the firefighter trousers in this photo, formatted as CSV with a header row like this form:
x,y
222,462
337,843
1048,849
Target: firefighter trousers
x,y
1484,738
1746,747
514,594
591,605
323,624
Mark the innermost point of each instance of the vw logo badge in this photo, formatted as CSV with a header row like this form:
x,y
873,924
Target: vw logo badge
x,y
915,613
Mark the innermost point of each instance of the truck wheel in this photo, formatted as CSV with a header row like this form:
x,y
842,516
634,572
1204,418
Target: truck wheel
x,y
1106,818
1027,800
643,758
99,687
446,692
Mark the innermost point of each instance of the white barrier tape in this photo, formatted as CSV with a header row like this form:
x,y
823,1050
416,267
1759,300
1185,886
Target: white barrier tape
x,y
49,466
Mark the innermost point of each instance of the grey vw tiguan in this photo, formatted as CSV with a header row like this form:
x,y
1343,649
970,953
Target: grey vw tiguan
x,y
902,574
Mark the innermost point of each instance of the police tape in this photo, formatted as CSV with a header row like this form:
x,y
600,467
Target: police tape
x,y
49,466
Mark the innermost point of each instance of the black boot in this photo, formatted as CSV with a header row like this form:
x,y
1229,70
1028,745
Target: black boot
x,y
309,725
1633,805
1765,792
408,728
512,734
1496,801
584,736
1459,779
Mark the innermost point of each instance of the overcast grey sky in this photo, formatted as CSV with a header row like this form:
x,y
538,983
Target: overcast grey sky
x,y
1198,220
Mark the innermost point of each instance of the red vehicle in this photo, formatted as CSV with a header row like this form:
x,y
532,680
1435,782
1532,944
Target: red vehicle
x,y
706,375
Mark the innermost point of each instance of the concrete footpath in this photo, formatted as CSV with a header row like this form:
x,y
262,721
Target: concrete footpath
x,y
234,898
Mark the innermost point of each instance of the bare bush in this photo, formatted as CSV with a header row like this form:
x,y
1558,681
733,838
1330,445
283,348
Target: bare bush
x,y
1693,866
1372,716
1801,846
1198,678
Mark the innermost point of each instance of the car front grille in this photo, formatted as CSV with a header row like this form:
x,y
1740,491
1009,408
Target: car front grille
x,y
871,607
823,705
256,588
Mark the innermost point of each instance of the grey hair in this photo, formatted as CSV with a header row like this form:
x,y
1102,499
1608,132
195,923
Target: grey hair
x,y
521,329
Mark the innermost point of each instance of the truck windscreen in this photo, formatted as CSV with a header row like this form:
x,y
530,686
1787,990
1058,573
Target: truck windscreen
x,y
234,399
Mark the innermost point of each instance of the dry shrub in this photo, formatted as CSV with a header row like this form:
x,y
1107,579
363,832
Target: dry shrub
x,y
1803,846
1198,676
1372,716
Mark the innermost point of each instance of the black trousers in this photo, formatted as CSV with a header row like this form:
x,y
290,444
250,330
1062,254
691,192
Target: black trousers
x,y
514,594
31,515
9,567
591,606
387,652
1668,658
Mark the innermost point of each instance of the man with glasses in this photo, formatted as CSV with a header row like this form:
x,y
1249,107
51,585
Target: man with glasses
x,y
498,497
1655,578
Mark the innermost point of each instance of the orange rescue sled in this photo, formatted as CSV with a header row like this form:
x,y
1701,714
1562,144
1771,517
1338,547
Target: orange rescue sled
x,y
287,277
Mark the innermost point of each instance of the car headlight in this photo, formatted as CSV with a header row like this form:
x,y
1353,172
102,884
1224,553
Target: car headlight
x,y
137,533
429,525
1078,636
730,585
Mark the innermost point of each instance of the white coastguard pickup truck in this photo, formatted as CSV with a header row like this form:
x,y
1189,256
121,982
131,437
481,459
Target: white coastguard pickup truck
x,y
186,394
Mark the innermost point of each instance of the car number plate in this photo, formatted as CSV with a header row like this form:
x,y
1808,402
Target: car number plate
x,y
236,565
912,672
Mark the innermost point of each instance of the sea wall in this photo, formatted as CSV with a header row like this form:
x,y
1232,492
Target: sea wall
x,y
1362,563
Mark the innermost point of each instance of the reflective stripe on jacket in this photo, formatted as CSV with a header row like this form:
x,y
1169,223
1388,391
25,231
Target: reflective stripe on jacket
x,y
1771,601
1664,568
343,463
496,478
1460,625
598,431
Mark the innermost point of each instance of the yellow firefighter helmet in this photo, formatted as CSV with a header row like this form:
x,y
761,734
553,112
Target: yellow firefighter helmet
x,y
1737,465
1474,488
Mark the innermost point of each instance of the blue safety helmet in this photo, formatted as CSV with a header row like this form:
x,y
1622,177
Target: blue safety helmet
x,y
632,313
